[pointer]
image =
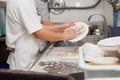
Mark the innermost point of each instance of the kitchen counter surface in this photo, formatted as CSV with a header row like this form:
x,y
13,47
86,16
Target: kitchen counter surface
x,y
48,63
58,60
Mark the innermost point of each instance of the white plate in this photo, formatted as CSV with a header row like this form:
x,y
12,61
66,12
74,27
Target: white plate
x,y
83,35
105,60
109,42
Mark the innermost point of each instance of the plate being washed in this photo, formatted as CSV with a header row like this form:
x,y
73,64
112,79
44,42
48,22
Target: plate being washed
x,y
84,33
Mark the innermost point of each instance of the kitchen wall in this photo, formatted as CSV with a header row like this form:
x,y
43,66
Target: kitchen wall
x,y
103,8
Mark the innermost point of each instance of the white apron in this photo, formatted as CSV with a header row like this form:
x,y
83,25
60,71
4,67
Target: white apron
x,y
25,52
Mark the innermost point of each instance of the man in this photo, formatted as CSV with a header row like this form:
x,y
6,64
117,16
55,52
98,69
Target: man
x,y
42,11
23,31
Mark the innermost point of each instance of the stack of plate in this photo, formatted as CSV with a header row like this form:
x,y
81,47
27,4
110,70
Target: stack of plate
x,y
109,46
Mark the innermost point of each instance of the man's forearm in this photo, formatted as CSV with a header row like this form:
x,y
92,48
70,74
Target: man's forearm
x,y
48,35
46,22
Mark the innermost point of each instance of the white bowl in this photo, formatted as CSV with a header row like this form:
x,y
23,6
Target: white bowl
x,y
92,49
118,47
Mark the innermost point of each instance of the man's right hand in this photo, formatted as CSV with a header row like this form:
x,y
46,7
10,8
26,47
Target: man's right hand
x,y
69,34
72,33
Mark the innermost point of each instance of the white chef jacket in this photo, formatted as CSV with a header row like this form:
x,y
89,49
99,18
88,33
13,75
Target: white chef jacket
x,y
21,21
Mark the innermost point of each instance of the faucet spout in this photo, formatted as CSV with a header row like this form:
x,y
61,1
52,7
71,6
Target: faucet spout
x,y
105,23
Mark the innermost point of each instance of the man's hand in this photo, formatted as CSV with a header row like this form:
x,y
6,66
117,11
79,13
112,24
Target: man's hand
x,y
62,27
72,33
59,27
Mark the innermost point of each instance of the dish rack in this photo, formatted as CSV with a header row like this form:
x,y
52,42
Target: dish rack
x,y
98,72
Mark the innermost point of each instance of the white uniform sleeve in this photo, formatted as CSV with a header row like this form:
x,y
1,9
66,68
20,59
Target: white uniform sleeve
x,y
42,9
29,17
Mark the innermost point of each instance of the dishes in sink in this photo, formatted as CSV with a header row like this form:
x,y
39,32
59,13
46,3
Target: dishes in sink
x,y
95,55
110,46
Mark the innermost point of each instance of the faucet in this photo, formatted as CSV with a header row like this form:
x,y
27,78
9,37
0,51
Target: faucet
x,y
105,22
